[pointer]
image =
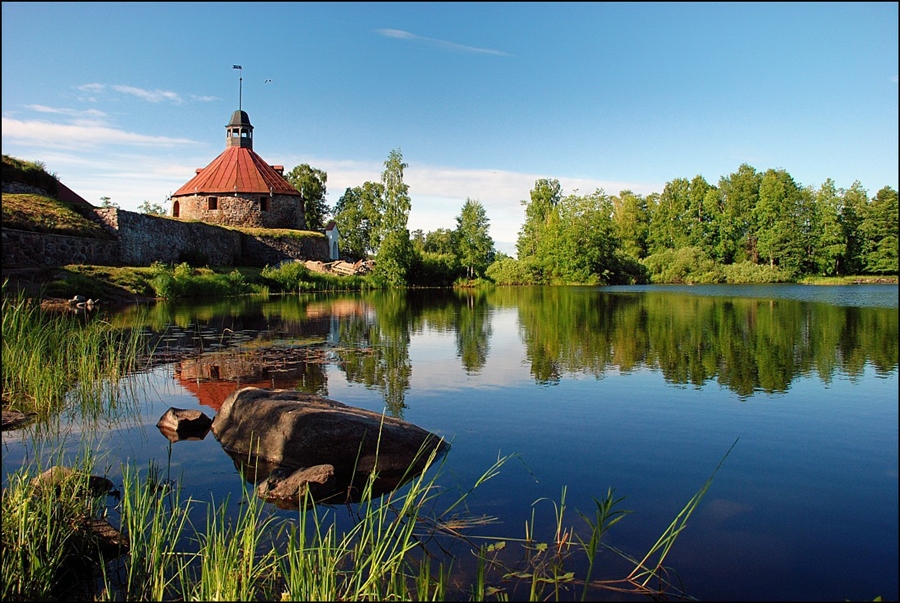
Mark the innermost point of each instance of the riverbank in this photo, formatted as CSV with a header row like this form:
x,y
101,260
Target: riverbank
x,y
55,286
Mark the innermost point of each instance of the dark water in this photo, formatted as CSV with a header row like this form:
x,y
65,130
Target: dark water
x,y
639,389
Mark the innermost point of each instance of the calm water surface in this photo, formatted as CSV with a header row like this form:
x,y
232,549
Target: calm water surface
x,y
638,389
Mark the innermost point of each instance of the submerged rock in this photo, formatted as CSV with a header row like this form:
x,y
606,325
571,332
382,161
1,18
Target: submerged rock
x,y
293,439
183,424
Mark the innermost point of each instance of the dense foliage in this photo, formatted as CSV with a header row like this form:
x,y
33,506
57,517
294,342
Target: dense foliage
x,y
752,227
310,183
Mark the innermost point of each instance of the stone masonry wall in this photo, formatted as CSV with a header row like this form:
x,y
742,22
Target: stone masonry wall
x,y
260,251
143,239
283,211
23,248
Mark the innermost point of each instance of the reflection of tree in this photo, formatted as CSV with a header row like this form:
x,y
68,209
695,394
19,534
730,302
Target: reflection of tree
x,y
387,368
744,344
473,331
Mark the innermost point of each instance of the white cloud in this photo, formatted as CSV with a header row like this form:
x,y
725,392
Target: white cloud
x,y
94,113
37,133
95,91
153,96
399,34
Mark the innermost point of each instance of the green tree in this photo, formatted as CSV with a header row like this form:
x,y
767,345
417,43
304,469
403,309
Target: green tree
x,y
543,198
778,216
880,233
473,243
832,243
310,183
667,230
152,209
440,241
700,213
395,253
584,240
632,222
853,211
107,202
738,195
358,219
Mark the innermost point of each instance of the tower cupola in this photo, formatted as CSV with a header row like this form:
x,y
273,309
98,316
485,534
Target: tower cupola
x,y
239,131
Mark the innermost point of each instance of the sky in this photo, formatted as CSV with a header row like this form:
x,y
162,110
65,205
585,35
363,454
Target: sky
x,y
127,100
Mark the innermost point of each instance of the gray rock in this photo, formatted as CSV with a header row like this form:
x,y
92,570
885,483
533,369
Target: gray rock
x,y
290,430
182,424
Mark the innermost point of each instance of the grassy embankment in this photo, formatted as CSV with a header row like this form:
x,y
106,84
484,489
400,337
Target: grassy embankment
x,y
39,213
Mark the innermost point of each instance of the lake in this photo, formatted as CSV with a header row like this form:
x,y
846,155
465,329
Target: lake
x,y
639,389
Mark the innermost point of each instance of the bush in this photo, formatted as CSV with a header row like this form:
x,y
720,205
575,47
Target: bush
x,y
509,271
748,272
689,265
185,281
431,269
287,276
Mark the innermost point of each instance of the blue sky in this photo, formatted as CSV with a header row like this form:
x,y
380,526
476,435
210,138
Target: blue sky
x,y
126,100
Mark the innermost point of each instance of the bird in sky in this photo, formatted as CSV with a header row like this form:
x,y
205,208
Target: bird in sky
x,y
267,81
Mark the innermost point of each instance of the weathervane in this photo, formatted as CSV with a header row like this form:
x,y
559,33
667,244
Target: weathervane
x,y
240,85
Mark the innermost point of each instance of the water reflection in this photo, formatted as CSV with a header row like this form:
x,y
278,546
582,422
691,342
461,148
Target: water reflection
x,y
748,344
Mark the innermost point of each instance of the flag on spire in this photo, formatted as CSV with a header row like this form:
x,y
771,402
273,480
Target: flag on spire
x,y
236,67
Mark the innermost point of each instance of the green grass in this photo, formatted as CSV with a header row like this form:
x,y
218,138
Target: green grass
x,y
61,359
393,551
37,213
848,280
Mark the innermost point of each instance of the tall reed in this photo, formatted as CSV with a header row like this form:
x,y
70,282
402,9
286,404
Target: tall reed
x,y
51,360
46,534
384,555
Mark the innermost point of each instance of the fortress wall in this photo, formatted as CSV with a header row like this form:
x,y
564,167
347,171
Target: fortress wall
x,y
143,239
261,250
24,248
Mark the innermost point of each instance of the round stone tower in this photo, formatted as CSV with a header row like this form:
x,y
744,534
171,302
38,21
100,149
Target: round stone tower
x,y
238,188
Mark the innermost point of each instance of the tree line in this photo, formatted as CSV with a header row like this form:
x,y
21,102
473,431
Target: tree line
x,y
749,227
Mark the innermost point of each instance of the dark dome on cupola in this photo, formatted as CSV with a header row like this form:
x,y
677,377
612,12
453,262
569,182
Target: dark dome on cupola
x,y
239,118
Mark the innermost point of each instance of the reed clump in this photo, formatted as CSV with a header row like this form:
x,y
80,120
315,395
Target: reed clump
x,y
396,548
53,359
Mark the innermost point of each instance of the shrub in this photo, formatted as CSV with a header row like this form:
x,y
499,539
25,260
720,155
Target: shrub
x,y
434,269
184,281
748,272
509,271
688,265
287,276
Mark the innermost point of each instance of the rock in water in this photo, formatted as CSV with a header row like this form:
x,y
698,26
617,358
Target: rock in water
x,y
287,429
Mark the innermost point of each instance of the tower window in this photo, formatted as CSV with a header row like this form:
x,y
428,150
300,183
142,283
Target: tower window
x,y
212,203
263,204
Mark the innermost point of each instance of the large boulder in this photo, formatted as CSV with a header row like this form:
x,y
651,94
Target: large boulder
x,y
274,434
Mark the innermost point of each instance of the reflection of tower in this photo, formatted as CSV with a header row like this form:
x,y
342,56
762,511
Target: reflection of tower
x,y
213,377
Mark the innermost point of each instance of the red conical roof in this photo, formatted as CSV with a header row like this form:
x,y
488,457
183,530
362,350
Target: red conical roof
x,y
237,170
